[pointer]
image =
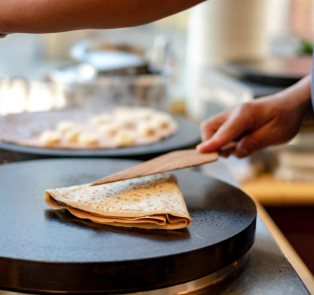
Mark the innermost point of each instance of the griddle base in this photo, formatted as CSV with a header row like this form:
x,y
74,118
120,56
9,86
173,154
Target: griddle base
x,y
204,285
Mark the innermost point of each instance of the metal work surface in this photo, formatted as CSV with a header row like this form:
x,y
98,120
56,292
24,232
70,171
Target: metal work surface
x,y
44,250
268,272
187,135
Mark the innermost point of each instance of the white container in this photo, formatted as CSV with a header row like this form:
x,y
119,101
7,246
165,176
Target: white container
x,y
221,31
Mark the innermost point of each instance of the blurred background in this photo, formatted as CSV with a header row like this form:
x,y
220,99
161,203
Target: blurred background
x,y
196,63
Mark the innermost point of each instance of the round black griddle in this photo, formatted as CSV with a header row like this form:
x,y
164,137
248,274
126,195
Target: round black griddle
x,y
187,135
44,250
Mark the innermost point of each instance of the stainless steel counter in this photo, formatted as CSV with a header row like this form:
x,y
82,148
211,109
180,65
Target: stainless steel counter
x,y
268,271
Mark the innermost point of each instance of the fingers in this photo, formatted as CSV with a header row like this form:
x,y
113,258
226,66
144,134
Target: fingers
x,y
226,153
210,126
223,129
257,140
209,129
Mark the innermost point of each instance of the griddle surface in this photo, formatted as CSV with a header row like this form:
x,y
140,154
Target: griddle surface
x,y
187,135
44,250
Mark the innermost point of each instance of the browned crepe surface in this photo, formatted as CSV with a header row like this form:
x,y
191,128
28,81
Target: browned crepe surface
x,y
152,202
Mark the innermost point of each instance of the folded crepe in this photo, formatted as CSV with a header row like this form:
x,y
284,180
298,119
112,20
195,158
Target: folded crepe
x,y
152,202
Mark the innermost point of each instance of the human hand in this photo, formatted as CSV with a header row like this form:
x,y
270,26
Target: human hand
x,y
258,124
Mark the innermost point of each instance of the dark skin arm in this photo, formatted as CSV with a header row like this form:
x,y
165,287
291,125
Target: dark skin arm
x,y
44,16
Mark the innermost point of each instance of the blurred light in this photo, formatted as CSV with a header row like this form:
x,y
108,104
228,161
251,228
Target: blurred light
x,y
19,95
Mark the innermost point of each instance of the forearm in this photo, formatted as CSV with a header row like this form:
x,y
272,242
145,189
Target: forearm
x,y
43,16
298,95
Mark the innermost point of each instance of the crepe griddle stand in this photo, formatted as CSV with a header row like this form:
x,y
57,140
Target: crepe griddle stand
x,y
48,251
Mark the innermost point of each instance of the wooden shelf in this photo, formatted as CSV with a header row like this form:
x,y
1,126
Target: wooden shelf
x,y
269,191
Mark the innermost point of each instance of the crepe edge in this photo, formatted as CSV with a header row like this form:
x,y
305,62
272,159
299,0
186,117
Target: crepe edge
x,y
184,221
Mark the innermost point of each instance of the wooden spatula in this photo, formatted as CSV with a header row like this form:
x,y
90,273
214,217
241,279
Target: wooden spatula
x,y
167,162
164,163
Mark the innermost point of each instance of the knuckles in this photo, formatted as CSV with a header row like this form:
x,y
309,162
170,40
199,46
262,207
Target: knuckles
x,y
243,109
204,125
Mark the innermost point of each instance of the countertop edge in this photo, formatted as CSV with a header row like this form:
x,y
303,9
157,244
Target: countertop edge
x,y
286,248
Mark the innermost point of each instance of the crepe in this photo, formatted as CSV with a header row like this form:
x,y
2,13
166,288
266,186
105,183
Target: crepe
x,y
74,129
152,202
